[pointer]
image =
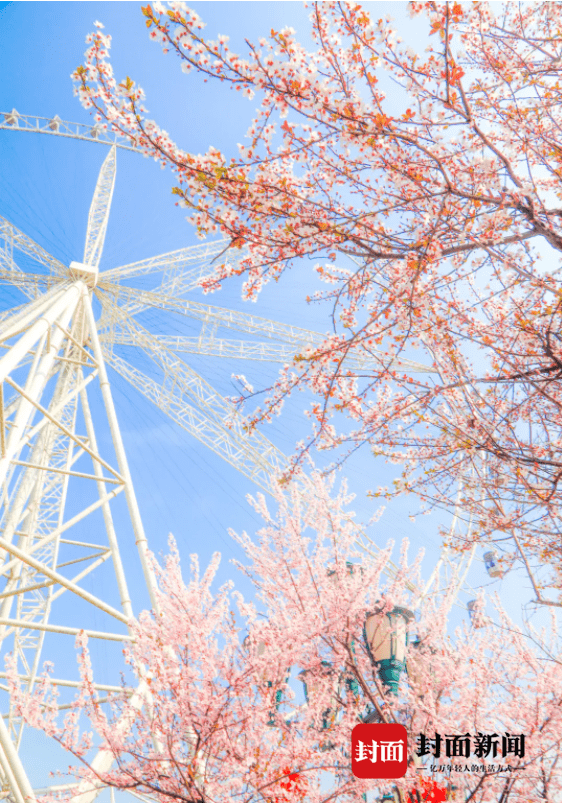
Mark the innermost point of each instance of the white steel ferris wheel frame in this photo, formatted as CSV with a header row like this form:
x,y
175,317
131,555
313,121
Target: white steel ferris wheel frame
x,y
68,352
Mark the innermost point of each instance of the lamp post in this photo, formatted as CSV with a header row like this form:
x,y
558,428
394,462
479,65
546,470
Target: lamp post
x,y
385,638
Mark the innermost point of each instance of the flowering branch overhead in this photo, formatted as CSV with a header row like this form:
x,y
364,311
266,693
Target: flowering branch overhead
x,y
445,216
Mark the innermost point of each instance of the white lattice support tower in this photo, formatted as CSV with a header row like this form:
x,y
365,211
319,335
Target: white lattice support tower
x,y
45,513
41,452
33,523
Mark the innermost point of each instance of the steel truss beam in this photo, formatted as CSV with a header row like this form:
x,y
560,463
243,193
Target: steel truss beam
x,y
186,264
31,285
14,121
217,347
241,349
136,301
15,239
193,404
99,211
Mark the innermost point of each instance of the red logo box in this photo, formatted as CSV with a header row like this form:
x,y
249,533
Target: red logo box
x,y
379,750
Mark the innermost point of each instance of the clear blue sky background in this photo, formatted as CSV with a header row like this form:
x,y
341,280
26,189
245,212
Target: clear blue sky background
x,y
46,184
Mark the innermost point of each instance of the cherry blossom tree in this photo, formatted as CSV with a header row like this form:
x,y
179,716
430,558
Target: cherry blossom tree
x,y
223,720
434,210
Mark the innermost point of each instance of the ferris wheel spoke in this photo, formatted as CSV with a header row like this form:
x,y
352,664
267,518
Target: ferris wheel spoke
x,y
16,239
210,315
31,284
244,452
176,371
179,374
262,350
195,258
14,275
177,281
180,379
216,347
99,210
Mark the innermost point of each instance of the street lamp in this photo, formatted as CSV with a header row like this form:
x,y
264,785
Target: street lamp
x,y
385,638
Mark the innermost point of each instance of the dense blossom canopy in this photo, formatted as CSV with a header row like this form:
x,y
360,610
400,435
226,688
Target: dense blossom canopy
x,y
443,195
219,717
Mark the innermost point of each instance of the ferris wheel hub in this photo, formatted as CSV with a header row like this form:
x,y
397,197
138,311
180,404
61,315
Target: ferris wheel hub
x,y
88,273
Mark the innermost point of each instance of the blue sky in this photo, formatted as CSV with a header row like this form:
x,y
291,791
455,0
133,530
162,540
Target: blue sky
x,y
46,184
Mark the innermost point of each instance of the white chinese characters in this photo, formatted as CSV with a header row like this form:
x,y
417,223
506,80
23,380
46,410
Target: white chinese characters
x,y
379,751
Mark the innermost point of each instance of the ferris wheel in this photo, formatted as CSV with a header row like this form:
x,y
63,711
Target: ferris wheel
x,y
54,354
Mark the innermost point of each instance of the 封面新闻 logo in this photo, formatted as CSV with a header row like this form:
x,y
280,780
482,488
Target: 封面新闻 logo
x,y
379,750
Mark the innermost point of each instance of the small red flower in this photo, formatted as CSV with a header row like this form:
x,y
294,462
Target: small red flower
x,y
431,792
293,783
